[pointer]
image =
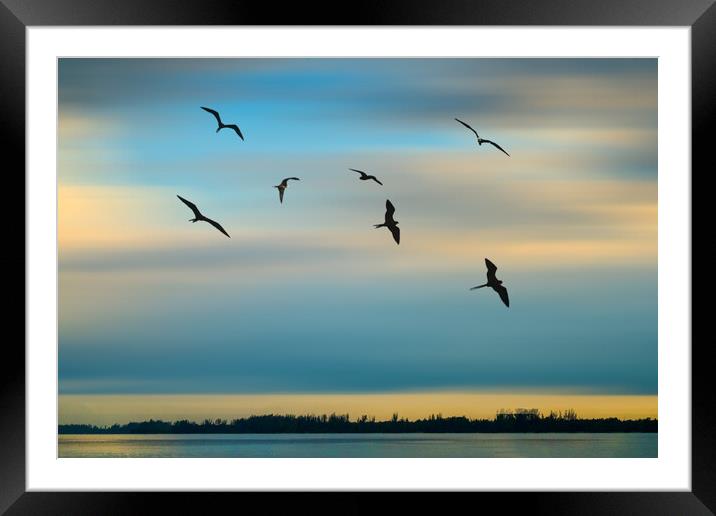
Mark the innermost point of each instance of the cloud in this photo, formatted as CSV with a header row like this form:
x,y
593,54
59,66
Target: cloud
x,y
110,216
451,211
332,334
306,295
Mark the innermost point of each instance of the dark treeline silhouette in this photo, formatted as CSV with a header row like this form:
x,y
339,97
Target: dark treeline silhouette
x,y
505,422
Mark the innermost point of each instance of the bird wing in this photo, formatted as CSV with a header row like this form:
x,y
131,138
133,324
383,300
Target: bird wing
x,y
289,178
235,128
466,125
491,270
376,180
217,226
396,232
493,143
502,291
280,195
389,209
362,174
215,113
192,206
491,267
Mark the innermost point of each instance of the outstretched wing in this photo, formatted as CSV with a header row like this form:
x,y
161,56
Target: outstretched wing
x,y
289,178
493,143
217,226
376,180
396,232
216,114
466,125
389,209
502,291
280,195
362,174
491,270
235,128
192,206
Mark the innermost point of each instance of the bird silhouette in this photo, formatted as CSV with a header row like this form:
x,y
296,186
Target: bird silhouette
x,y
282,187
480,141
494,283
199,216
366,177
222,125
390,222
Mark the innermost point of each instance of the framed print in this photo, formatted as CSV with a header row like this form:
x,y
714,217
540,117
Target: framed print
x,y
422,249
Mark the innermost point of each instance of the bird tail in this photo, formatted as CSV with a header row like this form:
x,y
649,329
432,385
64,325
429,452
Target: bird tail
x,y
219,129
479,286
378,226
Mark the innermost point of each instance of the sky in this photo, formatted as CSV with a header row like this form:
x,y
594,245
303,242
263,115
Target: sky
x,y
307,300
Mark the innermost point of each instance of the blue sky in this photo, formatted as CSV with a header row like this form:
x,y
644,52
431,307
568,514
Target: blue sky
x,y
306,296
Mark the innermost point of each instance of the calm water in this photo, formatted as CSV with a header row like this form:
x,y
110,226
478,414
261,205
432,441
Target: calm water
x,y
360,445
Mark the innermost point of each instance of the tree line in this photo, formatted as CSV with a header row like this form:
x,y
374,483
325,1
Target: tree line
x,y
504,422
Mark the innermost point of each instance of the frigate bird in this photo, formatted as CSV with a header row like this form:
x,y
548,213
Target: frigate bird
x,y
199,216
390,222
366,177
480,141
222,125
494,283
282,187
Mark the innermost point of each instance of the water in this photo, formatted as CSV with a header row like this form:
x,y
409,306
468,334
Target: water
x,y
361,445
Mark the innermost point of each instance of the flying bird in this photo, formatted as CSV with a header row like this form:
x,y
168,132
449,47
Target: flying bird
x,y
390,222
366,177
494,283
480,141
222,125
282,187
199,216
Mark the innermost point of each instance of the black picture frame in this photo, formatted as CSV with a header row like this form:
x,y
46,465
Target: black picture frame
x,y
16,15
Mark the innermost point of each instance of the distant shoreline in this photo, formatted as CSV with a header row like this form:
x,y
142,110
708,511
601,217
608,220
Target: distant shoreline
x,y
528,422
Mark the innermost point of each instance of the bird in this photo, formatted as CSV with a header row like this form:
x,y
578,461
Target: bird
x,y
222,125
493,282
366,177
282,187
199,216
390,222
480,141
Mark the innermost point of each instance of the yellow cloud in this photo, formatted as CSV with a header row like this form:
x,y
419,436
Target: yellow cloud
x,y
74,126
585,93
108,216
522,220
613,137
